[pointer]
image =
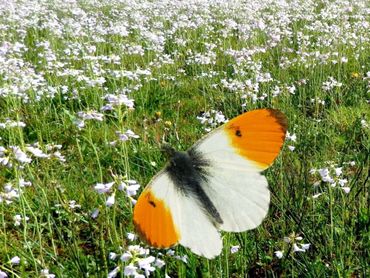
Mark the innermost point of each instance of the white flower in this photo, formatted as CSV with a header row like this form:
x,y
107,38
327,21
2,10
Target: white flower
x,y
220,118
182,258
20,155
91,115
138,250
159,263
131,236
112,255
130,270
103,187
131,190
346,189
113,273
338,171
316,195
3,274
79,123
364,124
291,89
15,260
323,172
117,100
121,136
291,137
4,161
10,123
110,200
342,182
17,219
73,204
37,152
122,186
126,257
23,183
170,252
145,264
279,254
59,156
291,148
234,249
45,273
95,213
131,134
126,135
305,246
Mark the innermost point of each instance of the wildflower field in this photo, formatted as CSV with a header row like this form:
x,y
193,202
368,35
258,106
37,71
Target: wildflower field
x,y
90,89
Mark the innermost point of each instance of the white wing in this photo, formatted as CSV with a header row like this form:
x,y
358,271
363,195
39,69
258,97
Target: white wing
x,y
234,184
194,228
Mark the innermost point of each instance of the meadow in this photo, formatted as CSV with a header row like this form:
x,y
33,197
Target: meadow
x,y
90,89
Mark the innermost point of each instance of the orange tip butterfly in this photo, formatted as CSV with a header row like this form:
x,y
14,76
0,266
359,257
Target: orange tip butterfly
x,y
215,185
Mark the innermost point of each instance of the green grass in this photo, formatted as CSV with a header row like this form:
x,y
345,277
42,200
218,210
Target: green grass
x,y
71,244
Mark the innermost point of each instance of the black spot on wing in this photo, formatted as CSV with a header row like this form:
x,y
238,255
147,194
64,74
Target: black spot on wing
x,y
238,133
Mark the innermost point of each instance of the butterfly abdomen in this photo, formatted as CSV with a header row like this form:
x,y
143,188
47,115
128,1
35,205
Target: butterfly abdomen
x,y
188,171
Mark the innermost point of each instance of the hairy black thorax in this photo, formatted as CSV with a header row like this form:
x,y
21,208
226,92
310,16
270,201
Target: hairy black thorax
x,y
188,171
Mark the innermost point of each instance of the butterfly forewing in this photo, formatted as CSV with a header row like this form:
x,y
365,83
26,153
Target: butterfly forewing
x,y
237,152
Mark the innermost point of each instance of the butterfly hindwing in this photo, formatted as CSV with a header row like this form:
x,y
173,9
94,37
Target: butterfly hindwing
x,y
174,218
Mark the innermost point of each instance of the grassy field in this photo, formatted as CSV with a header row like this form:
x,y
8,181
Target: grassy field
x,y
90,89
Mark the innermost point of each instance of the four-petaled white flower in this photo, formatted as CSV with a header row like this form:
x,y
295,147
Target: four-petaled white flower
x,y
279,254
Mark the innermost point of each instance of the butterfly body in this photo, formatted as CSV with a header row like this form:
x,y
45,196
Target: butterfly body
x,y
215,185
188,171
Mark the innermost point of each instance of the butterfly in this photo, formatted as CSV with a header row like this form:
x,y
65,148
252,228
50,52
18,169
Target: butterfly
x,y
216,185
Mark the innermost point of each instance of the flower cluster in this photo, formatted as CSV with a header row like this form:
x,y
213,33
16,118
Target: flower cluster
x,y
330,84
292,243
138,262
292,138
89,115
333,176
212,119
124,136
117,100
130,187
16,155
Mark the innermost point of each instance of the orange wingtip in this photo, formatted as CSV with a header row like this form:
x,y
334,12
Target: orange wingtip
x,y
258,135
153,221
